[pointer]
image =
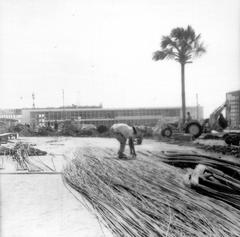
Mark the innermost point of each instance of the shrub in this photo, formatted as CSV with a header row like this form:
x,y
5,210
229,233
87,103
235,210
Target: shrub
x,y
102,129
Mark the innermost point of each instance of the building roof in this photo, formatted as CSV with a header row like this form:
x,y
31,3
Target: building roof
x,y
103,109
233,92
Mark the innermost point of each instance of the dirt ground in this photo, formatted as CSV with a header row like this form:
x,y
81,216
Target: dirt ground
x,y
41,204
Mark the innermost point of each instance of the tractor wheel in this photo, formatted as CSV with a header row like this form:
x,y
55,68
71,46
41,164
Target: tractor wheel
x,y
166,132
194,128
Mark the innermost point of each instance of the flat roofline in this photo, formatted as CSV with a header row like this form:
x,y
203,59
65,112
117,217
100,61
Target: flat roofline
x,y
104,109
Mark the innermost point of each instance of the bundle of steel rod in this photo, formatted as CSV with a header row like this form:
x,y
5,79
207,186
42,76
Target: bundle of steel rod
x,y
190,160
145,197
219,186
220,178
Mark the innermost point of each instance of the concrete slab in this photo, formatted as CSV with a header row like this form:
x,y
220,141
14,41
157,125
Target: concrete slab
x,y
41,206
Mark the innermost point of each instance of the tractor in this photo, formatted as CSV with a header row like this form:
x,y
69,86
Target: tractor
x,y
216,122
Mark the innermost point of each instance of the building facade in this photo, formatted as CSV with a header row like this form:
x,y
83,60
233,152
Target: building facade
x,y
103,116
233,109
15,114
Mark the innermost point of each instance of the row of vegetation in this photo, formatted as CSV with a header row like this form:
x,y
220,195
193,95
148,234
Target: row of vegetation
x,y
69,128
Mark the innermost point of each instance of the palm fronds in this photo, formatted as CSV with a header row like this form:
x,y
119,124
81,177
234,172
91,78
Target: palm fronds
x,y
165,54
181,45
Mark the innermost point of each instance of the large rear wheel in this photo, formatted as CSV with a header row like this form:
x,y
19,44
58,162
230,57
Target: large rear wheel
x,y
194,128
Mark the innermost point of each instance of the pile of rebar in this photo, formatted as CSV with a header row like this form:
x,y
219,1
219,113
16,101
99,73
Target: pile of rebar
x,y
145,197
28,148
221,178
225,150
20,153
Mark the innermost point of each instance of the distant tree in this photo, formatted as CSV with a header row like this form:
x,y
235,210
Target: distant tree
x,y
182,45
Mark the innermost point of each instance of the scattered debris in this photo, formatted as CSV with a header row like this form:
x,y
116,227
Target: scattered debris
x,y
225,150
210,136
24,147
183,137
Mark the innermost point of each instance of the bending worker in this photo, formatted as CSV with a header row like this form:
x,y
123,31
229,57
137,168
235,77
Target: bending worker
x,y
122,132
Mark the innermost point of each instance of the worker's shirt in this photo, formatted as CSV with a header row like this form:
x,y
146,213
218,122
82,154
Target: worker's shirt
x,y
123,129
189,118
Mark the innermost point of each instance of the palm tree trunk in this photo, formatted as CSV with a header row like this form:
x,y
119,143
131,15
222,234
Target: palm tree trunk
x,y
183,92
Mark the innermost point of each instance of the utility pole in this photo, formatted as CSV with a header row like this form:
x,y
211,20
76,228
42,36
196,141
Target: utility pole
x,y
63,113
33,99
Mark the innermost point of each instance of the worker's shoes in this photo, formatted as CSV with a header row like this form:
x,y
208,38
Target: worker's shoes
x,y
122,155
134,155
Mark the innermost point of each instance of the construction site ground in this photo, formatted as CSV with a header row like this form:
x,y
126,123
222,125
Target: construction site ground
x,y
41,204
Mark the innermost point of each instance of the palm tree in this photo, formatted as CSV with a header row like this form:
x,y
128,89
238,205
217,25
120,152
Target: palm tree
x,y
182,45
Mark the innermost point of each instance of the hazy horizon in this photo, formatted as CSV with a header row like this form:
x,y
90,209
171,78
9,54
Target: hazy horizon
x,y
101,52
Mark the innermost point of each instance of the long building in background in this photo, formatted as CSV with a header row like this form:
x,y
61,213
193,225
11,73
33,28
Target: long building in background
x,y
233,109
15,114
103,116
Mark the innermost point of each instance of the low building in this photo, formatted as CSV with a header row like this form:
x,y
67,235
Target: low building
x,y
15,114
233,109
105,116
98,115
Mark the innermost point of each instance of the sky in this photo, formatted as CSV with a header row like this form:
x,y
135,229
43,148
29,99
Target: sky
x,y
101,52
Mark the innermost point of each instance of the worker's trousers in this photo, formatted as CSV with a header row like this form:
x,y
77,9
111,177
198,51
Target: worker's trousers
x,y
122,140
